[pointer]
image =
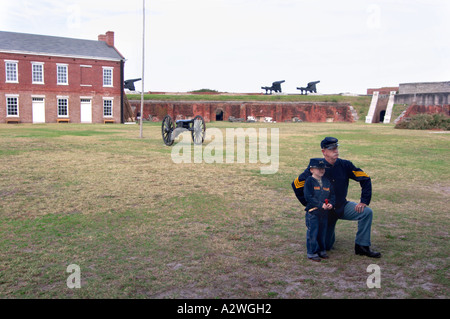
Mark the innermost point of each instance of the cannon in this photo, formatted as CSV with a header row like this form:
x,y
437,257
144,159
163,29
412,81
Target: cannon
x,y
276,87
310,88
129,84
196,126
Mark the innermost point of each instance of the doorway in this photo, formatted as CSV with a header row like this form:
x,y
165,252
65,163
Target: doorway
x,y
219,115
38,109
382,114
86,111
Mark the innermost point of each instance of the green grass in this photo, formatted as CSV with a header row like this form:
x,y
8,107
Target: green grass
x,y
140,226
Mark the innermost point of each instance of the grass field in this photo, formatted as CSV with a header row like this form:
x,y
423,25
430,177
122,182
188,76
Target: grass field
x,y
140,226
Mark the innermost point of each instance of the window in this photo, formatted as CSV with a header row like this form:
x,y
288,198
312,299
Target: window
x,y
63,107
107,108
107,76
12,106
37,72
62,74
11,71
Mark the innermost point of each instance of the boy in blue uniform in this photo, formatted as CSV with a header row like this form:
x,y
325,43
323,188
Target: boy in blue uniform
x,y
339,172
320,200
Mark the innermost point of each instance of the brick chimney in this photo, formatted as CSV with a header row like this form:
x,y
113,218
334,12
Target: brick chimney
x,y
108,38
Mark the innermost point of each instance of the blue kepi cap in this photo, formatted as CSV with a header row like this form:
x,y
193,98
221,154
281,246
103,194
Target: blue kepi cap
x,y
317,163
329,143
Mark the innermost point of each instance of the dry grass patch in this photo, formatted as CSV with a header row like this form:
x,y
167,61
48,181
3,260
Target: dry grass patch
x,y
141,226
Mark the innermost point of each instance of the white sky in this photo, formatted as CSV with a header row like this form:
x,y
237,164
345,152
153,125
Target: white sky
x,y
241,45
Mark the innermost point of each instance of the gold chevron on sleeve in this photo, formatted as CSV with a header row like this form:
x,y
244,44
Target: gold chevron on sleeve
x,y
299,184
360,174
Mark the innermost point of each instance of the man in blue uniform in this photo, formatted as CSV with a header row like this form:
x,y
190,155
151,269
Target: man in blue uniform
x,y
339,172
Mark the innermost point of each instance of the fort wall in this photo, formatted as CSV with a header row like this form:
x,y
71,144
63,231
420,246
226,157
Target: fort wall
x,y
218,110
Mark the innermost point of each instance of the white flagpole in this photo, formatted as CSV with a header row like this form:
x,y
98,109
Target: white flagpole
x,y
143,66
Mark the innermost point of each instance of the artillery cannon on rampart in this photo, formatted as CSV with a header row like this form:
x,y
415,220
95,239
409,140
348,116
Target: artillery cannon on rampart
x,y
276,87
310,88
129,84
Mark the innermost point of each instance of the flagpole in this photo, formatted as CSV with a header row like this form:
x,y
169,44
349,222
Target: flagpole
x,y
143,66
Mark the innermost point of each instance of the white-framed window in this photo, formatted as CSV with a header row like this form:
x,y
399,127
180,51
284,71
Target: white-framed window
x,y
62,74
12,105
108,76
107,107
37,72
11,68
63,106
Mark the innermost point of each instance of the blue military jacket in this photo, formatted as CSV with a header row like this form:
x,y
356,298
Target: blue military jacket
x,y
315,194
339,175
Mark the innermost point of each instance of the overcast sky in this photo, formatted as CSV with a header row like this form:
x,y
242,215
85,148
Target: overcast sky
x,y
241,45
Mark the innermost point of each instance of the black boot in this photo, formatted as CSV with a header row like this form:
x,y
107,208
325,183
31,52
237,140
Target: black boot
x,y
365,251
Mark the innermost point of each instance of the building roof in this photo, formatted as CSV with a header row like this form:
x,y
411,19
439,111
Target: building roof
x,y
13,42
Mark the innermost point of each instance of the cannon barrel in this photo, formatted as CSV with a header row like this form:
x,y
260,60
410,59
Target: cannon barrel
x,y
129,84
132,80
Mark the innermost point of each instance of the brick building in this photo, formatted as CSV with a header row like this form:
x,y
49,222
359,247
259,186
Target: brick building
x,y
46,79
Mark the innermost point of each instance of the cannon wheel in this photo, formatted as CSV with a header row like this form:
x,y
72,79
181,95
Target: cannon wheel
x,y
166,129
198,134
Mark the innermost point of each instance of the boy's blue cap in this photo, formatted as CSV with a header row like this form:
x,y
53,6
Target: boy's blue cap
x,y
329,143
317,163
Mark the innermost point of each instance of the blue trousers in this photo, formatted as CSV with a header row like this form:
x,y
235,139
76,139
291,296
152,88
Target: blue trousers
x,y
316,224
364,225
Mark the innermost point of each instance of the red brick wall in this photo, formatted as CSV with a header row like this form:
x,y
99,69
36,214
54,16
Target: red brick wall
x,y
427,109
280,112
50,89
